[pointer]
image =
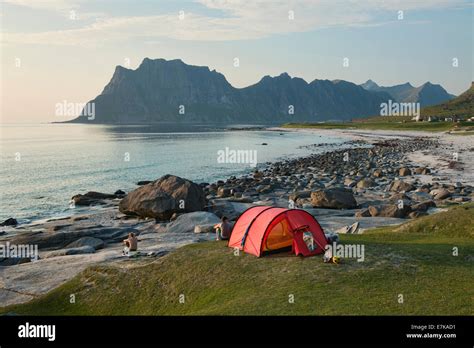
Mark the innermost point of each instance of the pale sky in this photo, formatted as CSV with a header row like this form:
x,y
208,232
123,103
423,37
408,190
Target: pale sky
x,y
66,50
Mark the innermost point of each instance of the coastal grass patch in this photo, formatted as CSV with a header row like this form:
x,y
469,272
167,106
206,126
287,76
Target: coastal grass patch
x,y
413,262
384,123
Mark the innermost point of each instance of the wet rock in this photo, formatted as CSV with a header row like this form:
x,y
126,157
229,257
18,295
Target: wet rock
x,y
9,222
92,198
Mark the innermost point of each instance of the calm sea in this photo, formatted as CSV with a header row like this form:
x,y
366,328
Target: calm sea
x,y
44,165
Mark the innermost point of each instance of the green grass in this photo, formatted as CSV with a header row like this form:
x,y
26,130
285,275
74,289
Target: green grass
x,y
377,123
415,260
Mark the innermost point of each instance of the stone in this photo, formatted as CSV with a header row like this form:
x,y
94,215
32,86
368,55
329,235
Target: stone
x,y
404,171
362,213
163,197
399,186
423,206
205,228
389,210
440,193
223,192
333,199
377,173
365,183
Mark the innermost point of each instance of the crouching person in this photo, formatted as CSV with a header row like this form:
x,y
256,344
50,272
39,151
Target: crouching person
x,y
223,229
131,244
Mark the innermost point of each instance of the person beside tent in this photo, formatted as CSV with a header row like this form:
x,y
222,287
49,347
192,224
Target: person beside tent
x,y
131,243
223,229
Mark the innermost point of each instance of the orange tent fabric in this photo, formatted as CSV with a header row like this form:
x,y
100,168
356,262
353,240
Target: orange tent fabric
x,y
262,229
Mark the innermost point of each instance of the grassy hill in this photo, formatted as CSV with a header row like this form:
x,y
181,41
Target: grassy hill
x,y
414,260
462,105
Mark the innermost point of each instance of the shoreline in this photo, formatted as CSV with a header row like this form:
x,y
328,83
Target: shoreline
x,y
270,186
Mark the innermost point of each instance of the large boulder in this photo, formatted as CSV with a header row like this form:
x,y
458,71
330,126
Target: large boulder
x,y
162,198
399,186
440,193
188,222
335,198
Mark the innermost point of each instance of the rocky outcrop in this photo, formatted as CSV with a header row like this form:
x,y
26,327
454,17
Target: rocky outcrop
x,y
94,198
95,243
70,251
162,198
9,222
57,240
185,223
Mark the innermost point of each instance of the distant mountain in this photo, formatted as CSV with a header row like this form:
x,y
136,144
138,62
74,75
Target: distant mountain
x,y
427,94
158,90
461,106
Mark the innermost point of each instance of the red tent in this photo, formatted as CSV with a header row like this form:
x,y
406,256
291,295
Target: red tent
x,y
262,229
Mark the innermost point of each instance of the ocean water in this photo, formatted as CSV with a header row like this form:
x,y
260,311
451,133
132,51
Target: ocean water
x,y
44,165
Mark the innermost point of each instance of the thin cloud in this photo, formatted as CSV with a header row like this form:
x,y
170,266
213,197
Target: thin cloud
x,y
236,20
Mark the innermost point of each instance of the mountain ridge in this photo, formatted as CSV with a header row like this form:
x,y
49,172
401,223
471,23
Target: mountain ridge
x,y
427,94
160,90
